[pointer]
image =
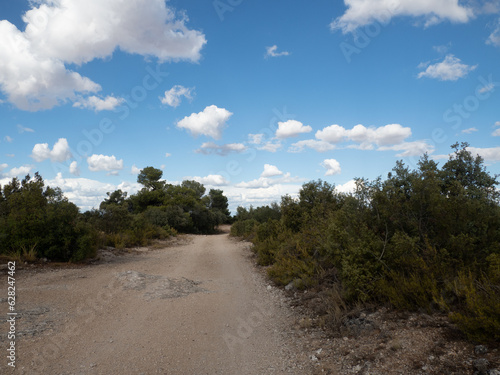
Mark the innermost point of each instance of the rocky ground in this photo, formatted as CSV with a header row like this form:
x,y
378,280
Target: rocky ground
x,y
199,305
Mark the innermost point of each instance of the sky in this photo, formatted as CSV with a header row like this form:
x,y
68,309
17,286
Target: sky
x,y
251,97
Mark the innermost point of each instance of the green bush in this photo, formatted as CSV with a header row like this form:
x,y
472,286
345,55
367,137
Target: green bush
x,y
422,239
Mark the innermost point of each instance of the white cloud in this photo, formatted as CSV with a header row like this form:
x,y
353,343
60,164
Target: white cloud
x,y
208,148
10,155
97,104
33,72
74,169
60,151
3,166
211,180
450,69
266,182
173,96
271,52
210,122
243,196
320,146
496,133
22,129
135,170
494,38
416,148
487,88
381,136
291,128
34,82
167,154
442,49
256,139
87,193
9,139
469,130
348,187
332,134
271,171
491,154
104,163
18,171
363,12
332,167
270,146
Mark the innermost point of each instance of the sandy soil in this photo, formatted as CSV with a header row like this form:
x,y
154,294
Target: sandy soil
x,y
198,307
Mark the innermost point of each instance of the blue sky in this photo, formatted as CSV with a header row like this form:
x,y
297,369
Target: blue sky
x,y
251,97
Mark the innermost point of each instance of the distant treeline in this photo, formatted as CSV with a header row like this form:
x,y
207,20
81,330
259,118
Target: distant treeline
x,y
37,221
425,239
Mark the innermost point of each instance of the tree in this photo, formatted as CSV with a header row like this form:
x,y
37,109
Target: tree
x,y
465,172
150,177
198,188
218,202
117,197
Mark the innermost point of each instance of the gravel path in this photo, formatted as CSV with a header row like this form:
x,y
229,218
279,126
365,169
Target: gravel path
x,y
195,308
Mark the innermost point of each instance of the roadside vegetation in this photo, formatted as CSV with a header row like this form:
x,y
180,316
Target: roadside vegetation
x,y
37,221
425,240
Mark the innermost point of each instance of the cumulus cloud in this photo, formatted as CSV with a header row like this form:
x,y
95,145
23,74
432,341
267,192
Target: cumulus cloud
x,y
384,135
33,71
271,171
332,134
266,182
209,148
211,180
450,69
9,139
173,96
347,188
135,170
489,154
364,12
366,137
320,146
87,193
272,52
416,148
74,169
243,196
210,122
291,128
270,146
97,104
261,144
332,167
99,163
15,172
60,151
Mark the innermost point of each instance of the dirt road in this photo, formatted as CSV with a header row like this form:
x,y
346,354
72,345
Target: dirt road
x,y
195,308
